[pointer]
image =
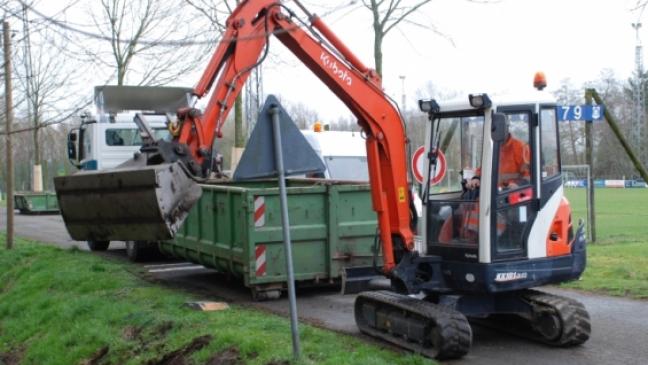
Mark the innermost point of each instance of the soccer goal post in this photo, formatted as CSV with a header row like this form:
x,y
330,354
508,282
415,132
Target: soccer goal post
x,y
579,190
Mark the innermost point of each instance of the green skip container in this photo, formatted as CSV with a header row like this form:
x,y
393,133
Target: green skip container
x,y
36,203
235,228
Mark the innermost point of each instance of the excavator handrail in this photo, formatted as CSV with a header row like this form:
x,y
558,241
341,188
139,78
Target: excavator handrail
x,y
244,45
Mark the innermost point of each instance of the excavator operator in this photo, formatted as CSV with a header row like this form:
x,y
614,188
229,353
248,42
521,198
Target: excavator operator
x,y
514,170
514,165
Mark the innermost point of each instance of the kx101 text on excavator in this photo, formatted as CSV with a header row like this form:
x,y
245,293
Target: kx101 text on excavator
x,y
483,249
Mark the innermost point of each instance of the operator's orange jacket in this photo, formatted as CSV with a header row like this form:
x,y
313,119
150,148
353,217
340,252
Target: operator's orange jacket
x,y
514,162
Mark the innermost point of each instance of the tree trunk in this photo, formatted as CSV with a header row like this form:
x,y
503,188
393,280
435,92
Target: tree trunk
x,y
378,56
37,173
239,135
121,73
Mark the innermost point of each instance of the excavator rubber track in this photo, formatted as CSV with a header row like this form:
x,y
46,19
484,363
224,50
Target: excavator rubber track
x,y
573,317
413,324
556,320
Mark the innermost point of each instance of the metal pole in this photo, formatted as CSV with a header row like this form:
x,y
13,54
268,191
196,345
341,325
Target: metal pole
x,y
9,120
590,205
589,156
285,226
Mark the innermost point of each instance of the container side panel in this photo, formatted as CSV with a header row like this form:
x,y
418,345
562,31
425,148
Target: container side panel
x,y
332,226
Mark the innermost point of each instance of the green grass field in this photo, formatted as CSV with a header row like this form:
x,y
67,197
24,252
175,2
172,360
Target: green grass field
x,y
72,307
621,214
617,264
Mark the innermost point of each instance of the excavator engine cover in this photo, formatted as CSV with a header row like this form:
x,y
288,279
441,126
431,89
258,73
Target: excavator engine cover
x,y
126,203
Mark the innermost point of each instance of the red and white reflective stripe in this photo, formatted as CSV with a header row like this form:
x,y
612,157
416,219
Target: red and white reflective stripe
x,y
259,211
260,254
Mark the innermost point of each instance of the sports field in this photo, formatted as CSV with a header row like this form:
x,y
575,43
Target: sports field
x,y
617,263
621,214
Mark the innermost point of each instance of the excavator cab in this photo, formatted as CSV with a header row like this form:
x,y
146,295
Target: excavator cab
x,y
494,204
487,242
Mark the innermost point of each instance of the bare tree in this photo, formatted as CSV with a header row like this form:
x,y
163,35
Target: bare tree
x,y
152,42
386,16
214,11
43,77
574,144
302,114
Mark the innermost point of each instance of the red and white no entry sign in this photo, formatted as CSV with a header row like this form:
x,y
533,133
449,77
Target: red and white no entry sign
x,y
418,166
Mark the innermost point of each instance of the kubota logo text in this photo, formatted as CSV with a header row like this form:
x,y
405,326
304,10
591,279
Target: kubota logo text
x,y
337,70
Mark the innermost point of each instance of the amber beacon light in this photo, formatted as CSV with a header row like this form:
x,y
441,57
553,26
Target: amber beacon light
x,y
539,80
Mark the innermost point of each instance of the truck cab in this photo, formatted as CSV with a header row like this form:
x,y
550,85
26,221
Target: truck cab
x,y
109,136
98,146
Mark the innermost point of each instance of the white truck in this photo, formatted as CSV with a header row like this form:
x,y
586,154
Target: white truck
x,y
344,154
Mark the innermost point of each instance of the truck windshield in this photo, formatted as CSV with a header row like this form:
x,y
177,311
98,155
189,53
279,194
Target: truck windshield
x,y
347,167
459,140
131,136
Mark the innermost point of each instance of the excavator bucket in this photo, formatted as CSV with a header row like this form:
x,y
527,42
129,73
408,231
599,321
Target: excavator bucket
x,y
126,203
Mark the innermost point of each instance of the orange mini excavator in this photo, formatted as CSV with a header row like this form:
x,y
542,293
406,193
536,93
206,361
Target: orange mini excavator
x,y
481,251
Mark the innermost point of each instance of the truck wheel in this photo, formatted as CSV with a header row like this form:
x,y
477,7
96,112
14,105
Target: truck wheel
x,y
98,245
137,250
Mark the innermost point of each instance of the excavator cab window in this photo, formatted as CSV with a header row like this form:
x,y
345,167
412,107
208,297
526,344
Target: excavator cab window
x,y
452,211
549,138
459,139
514,192
550,169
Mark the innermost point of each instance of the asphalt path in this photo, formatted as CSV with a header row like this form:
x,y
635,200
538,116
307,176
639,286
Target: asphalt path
x,y
619,325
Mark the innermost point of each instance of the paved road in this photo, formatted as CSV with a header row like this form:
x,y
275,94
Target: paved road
x,y
46,228
620,326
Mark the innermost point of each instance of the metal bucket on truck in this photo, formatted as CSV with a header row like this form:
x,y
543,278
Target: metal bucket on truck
x,y
130,202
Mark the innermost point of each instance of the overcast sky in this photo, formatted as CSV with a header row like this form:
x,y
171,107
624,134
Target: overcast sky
x,y
493,48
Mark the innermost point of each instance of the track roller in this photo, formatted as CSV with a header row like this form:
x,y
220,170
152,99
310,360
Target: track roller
x,y
423,327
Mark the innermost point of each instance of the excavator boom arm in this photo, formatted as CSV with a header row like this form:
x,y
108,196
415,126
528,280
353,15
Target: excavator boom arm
x,y
243,47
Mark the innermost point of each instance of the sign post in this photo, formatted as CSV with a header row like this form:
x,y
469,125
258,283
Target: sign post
x,y
285,227
274,136
589,157
587,113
